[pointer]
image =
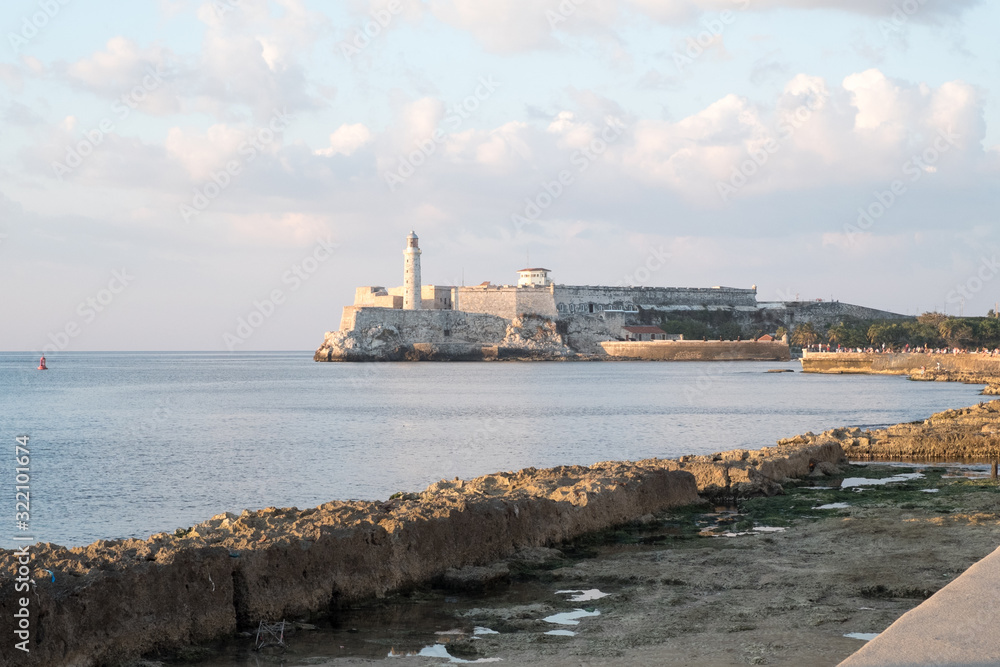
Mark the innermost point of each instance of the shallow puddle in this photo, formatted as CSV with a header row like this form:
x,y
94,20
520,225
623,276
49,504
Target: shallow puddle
x,y
441,651
863,636
571,617
584,596
864,481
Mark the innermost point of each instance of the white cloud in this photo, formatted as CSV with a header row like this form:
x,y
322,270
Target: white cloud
x,y
347,139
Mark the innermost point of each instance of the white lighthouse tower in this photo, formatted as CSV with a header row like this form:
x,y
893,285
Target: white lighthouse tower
x,y
411,273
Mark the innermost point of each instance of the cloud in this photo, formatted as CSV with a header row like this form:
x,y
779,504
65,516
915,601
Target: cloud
x,y
11,76
347,139
249,61
512,26
20,114
831,146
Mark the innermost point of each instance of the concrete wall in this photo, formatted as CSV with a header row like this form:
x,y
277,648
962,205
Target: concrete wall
x,y
898,364
691,350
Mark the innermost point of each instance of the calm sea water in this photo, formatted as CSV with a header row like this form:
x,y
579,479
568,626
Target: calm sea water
x,y
128,444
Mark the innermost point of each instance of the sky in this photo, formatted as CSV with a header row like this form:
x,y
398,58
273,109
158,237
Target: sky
x,y
222,175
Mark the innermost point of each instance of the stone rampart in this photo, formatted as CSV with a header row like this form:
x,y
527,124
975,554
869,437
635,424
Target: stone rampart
x,y
692,350
574,299
508,301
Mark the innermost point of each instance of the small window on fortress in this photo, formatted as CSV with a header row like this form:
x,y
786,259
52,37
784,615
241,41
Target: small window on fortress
x,y
447,332
591,307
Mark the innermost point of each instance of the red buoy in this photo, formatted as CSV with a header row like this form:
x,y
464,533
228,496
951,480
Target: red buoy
x,y
42,366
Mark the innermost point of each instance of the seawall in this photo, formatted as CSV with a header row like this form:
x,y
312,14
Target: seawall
x,y
685,350
899,363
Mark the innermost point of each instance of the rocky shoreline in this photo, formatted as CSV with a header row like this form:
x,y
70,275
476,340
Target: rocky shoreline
x,y
966,434
113,601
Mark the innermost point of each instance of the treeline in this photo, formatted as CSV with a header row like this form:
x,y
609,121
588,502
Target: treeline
x,y
933,330
710,325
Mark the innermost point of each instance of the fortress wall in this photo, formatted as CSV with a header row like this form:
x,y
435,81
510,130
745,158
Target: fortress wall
x,y
428,326
536,301
572,299
500,301
684,350
348,318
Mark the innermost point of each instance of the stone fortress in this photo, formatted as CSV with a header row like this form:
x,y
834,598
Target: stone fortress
x,y
536,318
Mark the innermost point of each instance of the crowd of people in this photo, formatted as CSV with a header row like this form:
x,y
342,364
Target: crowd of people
x,y
906,349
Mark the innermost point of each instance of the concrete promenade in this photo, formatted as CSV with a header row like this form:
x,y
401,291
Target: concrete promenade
x,y
958,625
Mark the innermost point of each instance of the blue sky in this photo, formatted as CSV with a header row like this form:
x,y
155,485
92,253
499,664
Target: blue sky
x,y
747,158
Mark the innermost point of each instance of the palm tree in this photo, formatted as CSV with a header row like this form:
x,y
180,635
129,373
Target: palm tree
x,y
804,335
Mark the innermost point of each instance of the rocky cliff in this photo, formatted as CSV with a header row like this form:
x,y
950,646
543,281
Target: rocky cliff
x,y
380,334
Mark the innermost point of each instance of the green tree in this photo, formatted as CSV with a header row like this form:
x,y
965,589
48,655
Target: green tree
x,y
846,335
934,319
885,333
804,335
956,332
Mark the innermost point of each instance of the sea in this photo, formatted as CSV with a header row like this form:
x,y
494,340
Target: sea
x,y
131,444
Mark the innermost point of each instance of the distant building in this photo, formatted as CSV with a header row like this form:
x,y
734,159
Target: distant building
x,y
644,333
766,338
533,278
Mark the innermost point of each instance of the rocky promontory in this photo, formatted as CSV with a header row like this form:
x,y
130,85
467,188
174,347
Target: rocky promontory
x,y
443,336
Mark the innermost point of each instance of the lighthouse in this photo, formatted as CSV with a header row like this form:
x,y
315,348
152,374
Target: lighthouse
x,y
411,273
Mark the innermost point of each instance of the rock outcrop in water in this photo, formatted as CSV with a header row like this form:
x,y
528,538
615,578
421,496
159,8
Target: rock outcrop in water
x,y
113,601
